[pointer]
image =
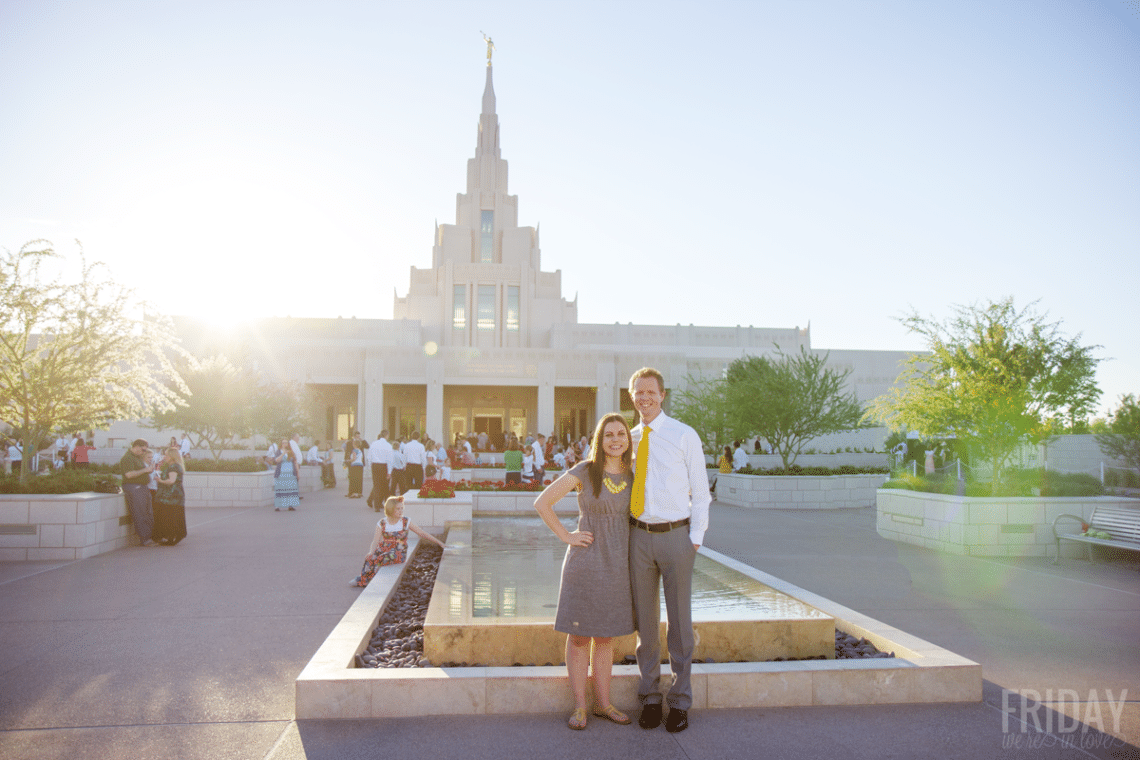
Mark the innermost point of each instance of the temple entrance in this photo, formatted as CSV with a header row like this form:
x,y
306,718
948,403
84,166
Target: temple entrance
x,y
332,410
493,427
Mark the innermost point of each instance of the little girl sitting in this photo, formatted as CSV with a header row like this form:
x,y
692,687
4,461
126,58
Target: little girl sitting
x,y
390,543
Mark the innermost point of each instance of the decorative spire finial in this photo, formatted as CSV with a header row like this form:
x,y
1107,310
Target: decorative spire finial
x,y
490,46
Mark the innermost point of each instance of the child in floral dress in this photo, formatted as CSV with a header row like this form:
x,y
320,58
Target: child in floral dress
x,y
390,543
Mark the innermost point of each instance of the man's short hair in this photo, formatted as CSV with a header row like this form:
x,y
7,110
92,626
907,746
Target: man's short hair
x,y
647,372
140,442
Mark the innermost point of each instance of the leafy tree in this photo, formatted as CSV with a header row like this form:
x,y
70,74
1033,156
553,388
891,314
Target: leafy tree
x,y
993,377
225,403
280,410
77,354
218,408
1122,441
788,401
701,406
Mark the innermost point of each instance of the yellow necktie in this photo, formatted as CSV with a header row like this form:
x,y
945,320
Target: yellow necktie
x,y
637,498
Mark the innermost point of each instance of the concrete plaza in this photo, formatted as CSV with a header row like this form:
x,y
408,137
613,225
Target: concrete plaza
x,y
192,651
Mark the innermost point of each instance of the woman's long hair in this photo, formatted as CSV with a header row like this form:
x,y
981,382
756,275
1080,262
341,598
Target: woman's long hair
x,y
597,458
175,455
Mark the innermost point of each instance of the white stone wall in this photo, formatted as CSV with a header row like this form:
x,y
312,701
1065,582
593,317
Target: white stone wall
x,y
983,526
1075,453
798,491
63,526
229,489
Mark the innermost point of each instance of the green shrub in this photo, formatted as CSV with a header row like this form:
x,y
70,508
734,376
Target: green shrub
x,y
67,481
796,469
245,464
1015,483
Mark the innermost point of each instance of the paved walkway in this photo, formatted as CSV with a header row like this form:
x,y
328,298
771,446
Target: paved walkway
x,y
191,652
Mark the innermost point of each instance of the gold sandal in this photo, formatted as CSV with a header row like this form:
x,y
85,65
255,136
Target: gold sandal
x,y
614,714
577,719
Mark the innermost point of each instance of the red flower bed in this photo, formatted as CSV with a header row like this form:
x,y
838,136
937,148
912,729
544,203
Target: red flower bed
x,y
445,489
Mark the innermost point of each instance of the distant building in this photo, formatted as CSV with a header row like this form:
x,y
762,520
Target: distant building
x,y
485,341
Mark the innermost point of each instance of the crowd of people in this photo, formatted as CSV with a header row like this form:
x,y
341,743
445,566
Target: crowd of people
x,y
65,451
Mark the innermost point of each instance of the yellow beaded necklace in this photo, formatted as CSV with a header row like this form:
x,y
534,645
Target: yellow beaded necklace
x,y
613,487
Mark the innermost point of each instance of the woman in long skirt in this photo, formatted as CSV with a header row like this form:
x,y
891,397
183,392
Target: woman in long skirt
x,y
170,501
286,488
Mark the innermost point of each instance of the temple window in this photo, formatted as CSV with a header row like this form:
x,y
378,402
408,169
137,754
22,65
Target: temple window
x,y
486,313
487,237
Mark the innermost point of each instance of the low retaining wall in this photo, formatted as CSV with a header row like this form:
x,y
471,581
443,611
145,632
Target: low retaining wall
x,y
63,526
983,526
229,489
773,461
436,513
798,491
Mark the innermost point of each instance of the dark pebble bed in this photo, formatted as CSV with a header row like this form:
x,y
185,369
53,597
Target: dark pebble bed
x,y
398,639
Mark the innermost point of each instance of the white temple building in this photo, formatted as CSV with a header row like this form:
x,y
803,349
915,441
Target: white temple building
x,y
485,341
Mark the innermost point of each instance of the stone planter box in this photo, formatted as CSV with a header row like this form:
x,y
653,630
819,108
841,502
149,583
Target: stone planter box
x,y
798,491
230,489
436,513
983,526
63,526
772,461
474,475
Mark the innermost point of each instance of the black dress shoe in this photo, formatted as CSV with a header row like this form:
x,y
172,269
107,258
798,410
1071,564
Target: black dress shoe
x,y
677,721
650,716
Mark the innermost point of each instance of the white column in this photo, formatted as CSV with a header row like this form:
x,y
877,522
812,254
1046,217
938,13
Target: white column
x,y
544,422
370,397
608,397
434,413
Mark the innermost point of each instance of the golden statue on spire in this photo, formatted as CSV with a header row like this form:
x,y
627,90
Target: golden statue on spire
x,y
490,46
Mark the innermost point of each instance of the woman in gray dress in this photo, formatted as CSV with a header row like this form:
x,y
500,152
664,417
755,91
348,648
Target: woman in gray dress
x,y
594,599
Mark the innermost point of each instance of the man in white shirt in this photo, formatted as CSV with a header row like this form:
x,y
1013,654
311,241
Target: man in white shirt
x,y
184,446
539,449
398,481
379,457
59,445
739,458
295,444
313,455
669,514
415,456
271,454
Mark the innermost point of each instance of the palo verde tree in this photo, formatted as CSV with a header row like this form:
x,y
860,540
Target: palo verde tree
x,y
224,403
701,406
77,353
1122,441
218,407
788,400
993,378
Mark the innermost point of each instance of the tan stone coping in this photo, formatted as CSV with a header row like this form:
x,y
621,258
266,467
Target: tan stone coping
x,y
331,687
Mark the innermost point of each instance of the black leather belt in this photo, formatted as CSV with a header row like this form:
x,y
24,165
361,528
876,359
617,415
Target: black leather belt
x,y
657,527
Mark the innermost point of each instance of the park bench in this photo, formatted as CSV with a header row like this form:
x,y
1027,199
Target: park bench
x,y
1121,523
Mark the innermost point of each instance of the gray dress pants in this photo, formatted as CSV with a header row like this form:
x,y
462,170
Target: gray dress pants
x,y
656,558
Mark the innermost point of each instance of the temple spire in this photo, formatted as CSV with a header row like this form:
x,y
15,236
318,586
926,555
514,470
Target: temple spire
x,y
488,142
489,95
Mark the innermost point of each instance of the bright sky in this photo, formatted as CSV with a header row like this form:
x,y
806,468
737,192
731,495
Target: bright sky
x,y
758,163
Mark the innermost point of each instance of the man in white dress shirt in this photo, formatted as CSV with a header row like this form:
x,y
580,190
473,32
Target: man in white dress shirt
x,y
739,458
415,458
380,458
539,449
669,514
